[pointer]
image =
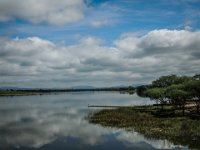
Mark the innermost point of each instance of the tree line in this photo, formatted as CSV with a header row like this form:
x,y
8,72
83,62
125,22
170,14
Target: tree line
x,y
174,90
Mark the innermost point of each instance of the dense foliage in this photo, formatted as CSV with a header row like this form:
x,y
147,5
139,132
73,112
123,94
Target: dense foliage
x,y
175,90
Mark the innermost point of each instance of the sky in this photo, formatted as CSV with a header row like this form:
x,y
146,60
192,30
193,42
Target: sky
x,y
101,43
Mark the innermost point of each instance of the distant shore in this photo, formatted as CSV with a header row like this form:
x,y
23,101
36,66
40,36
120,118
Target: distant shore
x,y
55,91
24,93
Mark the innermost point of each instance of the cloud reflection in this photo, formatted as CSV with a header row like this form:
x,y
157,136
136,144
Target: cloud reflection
x,y
35,121
133,138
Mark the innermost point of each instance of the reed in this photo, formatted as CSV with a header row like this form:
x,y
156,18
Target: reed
x,y
178,129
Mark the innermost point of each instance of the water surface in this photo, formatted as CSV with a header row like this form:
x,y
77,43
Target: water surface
x,y
57,121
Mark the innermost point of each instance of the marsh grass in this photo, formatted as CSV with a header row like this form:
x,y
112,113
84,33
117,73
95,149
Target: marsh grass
x,y
178,129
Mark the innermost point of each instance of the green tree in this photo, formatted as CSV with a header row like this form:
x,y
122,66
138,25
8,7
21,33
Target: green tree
x,y
196,77
177,96
141,90
169,80
131,90
157,94
193,88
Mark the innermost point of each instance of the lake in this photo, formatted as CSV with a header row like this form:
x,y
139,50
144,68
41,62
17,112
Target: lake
x,y
58,121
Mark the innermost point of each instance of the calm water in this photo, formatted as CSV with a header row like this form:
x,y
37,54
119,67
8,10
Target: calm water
x,y
58,122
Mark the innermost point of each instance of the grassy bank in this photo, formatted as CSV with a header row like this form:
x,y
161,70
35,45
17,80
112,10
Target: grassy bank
x,y
179,130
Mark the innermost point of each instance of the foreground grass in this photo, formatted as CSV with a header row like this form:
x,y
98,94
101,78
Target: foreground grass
x,y
179,130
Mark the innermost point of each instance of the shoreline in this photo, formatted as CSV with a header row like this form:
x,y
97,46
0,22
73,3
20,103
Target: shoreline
x,y
44,92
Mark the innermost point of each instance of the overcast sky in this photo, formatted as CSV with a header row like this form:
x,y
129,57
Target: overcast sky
x,y
65,43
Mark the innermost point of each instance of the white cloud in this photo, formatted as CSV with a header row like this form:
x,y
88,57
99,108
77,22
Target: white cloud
x,y
42,11
98,23
91,41
134,59
128,44
166,38
102,15
161,41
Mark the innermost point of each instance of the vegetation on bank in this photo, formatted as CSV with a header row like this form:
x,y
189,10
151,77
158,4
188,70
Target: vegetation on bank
x,y
174,90
175,117
180,130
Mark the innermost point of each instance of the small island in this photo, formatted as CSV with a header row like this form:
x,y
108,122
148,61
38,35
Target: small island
x,y
174,116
